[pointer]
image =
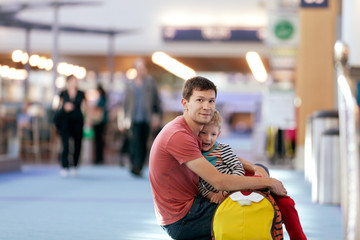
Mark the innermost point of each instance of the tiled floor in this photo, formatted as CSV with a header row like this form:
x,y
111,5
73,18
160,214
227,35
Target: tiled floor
x,y
107,203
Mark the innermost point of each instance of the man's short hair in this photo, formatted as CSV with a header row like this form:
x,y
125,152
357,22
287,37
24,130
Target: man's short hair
x,y
197,83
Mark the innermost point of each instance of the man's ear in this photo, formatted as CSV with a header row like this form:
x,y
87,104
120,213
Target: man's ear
x,y
184,103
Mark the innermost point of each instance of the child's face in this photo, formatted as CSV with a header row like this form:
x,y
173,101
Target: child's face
x,y
208,135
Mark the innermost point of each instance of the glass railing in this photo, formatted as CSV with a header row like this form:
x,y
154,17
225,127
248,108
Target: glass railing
x,y
349,143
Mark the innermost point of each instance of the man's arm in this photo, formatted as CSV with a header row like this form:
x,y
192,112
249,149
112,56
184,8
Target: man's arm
x,y
226,182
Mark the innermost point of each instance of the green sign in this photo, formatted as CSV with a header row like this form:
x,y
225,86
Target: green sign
x,y
284,29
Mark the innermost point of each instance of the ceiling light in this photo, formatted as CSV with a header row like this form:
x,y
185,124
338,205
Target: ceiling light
x,y
49,64
25,58
4,71
256,66
172,65
16,56
34,60
131,73
42,62
20,74
80,72
12,73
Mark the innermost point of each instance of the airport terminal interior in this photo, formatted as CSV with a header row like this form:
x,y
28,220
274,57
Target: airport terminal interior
x,y
286,72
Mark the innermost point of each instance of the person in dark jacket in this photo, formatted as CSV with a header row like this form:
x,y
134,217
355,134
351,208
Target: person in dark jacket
x,y
141,102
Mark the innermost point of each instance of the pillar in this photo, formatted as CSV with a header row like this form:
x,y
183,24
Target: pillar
x,y
315,75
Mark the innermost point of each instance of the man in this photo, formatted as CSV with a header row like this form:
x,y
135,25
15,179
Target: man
x,y
176,163
141,103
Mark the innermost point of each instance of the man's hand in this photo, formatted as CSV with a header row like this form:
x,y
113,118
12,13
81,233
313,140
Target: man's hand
x,y
277,187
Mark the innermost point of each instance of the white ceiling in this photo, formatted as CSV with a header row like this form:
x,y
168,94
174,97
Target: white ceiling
x,y
146,17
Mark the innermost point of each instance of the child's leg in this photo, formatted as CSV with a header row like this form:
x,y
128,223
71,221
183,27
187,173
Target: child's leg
x,y
289,214
290,217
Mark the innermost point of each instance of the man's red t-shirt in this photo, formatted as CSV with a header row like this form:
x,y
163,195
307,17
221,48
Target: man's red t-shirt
x,y
174,186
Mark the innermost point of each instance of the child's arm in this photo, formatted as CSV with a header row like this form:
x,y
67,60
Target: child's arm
x,y
252,168
216,197
202,189
230,160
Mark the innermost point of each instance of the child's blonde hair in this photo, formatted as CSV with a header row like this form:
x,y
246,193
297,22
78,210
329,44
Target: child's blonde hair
x,y
216,119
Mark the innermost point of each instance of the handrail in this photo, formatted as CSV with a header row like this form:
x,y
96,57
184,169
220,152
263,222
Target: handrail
x,y
349,143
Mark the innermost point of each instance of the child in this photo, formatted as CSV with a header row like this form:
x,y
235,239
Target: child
x,y
222,157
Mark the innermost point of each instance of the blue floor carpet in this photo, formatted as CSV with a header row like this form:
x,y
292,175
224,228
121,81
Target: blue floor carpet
x,y
319,222
107,203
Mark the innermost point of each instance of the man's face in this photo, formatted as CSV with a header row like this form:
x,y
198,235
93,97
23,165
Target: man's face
x,y
201,106
208,135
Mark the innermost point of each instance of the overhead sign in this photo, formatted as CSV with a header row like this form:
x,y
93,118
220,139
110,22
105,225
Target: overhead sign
x,y
283,29
314,3
222,34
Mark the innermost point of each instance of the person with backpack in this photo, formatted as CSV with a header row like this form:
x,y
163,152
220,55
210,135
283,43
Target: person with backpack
x,y
176,163
223,158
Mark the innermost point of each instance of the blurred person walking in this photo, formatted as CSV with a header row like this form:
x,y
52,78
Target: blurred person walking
x,y
99,125
141,102
69,121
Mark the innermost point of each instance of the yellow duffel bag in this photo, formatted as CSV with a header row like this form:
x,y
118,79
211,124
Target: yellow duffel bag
x,y
250,216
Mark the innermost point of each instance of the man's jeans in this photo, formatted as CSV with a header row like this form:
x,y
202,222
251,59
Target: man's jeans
x,y
197,222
